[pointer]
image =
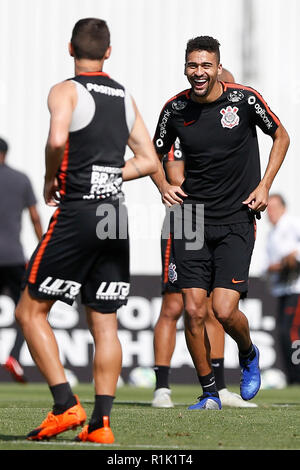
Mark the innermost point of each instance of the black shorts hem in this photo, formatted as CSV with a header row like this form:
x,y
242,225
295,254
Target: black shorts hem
x,y
111,308
243,290
194,285
42,296
170,289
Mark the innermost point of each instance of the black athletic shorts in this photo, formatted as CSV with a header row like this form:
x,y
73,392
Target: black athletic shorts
x,y
169,274
223,261
83,252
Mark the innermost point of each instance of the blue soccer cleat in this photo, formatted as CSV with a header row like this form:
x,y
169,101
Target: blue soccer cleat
x,y
250,379
208,401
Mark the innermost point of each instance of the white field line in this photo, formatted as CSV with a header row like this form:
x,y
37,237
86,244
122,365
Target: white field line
x,y
91,444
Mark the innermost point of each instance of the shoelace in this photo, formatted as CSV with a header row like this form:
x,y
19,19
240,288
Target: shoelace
x,y
245,363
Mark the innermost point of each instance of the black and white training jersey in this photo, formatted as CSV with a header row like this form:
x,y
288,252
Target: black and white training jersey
x,y
102,120
220,146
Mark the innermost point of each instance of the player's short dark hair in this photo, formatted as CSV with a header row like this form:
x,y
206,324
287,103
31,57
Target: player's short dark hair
x,y
90,39
3,146
203,43
280,197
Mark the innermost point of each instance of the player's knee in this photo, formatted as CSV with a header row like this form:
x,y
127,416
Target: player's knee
x,y
172,307
195,313
223,310
25,316
172,310
20,316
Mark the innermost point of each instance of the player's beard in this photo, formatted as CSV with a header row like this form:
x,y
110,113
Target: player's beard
x,y
203,92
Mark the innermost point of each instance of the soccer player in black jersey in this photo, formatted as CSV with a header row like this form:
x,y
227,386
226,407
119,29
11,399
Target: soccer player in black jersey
x,y
93,118
216,124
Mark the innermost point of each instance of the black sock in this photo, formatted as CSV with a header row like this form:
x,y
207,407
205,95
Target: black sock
x,y
162,376
218,369
63,397
248,354
208,383
102,407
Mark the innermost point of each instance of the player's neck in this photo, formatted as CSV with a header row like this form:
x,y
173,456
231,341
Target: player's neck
x,y
213,95
88,66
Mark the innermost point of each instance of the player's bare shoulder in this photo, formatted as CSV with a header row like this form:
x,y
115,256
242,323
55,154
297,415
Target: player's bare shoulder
x,y
61,92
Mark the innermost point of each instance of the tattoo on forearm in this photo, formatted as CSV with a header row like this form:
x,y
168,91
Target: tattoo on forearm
x,y
137,168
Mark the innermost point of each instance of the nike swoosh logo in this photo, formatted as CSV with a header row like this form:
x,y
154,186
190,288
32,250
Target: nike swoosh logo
x,y
188,123
236,282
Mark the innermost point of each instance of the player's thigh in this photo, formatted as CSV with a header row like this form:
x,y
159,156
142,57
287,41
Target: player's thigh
x,y
101,325
232,257
194,266
106,287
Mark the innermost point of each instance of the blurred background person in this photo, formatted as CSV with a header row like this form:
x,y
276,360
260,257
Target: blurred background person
x,y
16,195
283,270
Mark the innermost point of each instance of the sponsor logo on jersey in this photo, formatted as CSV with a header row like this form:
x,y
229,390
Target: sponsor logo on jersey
x,y
113,290
230,118
177,149
60,287
172,274
106,90
162,128
235,96
188,123
179,105
105,182
234,281
163,123
262,113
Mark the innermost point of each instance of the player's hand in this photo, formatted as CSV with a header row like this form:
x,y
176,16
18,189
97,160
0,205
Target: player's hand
x,y
258,199
172,195
51,192
290,261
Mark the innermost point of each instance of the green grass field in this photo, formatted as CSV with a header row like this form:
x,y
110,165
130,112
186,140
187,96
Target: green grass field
x,y
275,424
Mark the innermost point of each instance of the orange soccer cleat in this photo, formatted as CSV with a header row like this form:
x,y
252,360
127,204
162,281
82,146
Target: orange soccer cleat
x,y
101,436
55,424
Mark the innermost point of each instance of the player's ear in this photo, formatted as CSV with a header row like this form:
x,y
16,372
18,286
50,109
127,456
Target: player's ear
x,y
220,70
71,50
107,53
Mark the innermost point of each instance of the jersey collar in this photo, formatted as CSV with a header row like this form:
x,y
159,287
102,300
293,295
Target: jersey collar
x,y
89,74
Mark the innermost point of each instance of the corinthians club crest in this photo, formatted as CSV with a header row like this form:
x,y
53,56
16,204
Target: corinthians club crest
x,y
179,105
172,274
230,118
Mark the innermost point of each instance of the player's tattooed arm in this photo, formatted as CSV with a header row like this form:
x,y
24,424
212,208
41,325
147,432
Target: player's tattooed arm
x,y
136,166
